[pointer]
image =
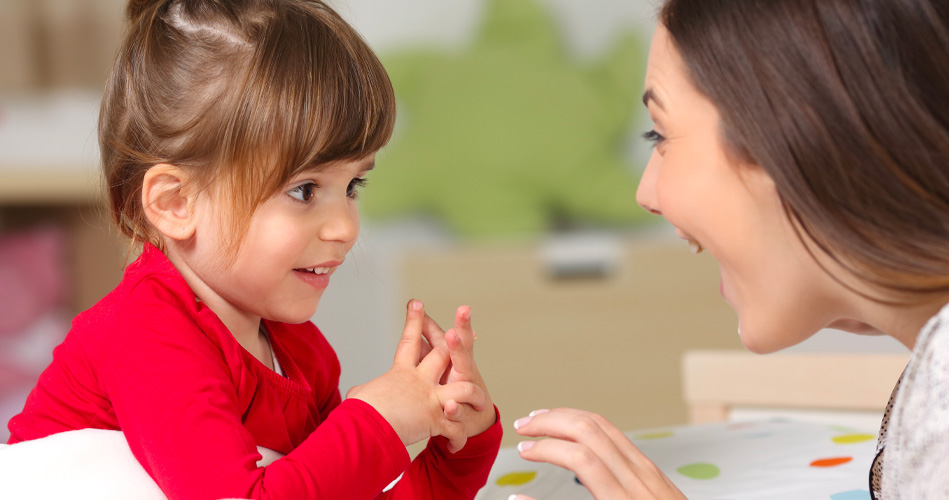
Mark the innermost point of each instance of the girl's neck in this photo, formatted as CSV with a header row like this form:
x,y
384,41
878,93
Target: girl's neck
x,y
244,327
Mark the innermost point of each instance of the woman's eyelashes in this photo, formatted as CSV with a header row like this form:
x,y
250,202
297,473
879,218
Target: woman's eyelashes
x,y
306,192
654,138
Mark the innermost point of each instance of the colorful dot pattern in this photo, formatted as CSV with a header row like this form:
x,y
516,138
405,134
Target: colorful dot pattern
x,y
699,471
778,460
516,478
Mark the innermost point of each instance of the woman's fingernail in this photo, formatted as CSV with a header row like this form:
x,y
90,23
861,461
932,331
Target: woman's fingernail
x,y
521,422
537,412
417,305
524,446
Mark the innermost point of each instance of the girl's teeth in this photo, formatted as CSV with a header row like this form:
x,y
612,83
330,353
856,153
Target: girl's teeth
x,y
318,270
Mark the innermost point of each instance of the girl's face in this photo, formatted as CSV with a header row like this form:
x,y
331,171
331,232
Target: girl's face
x,y
294,243
732,210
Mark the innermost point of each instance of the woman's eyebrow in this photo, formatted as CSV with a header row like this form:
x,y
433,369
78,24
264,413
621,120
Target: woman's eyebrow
x,y
650,95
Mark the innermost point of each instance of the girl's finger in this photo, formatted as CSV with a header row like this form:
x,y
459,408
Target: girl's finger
x,y
462,393
434,364
432,332
462,359
425,348
589,467
463,326
454,432
410,345
454,411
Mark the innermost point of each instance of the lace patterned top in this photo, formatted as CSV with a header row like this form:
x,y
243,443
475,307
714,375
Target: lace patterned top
x,y
915,430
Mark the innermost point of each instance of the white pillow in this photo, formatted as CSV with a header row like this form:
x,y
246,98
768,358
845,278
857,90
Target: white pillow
x,y
88,464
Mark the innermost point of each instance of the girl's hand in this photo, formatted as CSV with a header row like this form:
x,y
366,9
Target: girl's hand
x,y
460,341
601,456
410,396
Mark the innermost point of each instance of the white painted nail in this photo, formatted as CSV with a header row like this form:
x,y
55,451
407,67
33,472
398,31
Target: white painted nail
x,y
537,412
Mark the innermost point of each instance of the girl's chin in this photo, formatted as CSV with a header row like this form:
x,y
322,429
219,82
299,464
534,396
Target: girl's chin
x,y
301,315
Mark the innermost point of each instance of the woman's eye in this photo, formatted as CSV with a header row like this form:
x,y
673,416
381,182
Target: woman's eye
x,y
654,137
304,192
354,186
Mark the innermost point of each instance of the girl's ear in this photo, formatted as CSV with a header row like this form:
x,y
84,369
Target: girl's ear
x,y
167,203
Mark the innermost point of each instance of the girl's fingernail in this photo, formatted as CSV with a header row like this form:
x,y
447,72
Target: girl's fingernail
x,y
417,305
524,446
537,412
521,422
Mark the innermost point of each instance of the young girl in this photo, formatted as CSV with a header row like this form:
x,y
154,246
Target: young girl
x,y
235,136
805,145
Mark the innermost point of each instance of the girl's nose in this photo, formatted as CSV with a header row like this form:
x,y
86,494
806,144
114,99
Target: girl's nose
x,y
340,222
646,192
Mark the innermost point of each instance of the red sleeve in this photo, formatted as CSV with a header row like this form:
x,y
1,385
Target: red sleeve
x,y
438,474
175,400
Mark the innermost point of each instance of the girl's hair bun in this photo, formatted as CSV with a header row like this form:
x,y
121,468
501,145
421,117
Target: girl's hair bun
x,y
136,8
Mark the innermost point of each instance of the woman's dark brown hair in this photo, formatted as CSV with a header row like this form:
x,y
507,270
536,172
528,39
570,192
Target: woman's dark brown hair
x,y
845,103
243,95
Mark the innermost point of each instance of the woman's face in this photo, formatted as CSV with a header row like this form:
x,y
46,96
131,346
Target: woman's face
x,y
732,210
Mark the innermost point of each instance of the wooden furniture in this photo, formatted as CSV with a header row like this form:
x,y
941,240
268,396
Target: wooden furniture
x,y
609,343
49,174
717,383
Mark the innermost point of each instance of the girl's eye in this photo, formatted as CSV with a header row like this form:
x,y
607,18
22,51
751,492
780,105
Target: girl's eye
x,y
654,137
304,192
354,186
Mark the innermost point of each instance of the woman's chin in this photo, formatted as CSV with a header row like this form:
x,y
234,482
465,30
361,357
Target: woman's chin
x,y
760,341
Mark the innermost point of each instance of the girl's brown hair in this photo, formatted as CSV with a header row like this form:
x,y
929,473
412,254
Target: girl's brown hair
x,y
241,94
845,104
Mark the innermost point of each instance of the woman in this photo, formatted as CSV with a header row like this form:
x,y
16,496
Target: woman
x,y
805,145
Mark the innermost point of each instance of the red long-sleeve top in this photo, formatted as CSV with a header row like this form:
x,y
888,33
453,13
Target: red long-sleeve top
x,y
153,362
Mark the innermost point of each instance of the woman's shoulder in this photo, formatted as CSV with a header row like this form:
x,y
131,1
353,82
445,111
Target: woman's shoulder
x,y
917,446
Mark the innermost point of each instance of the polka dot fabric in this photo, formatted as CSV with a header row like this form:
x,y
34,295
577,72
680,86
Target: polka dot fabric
x,y
777,460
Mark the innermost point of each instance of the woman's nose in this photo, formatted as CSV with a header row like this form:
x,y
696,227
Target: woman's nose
x,y
646,192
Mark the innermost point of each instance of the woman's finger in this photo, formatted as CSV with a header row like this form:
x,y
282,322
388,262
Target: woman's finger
x,y
590,468
617,453
410,345
616,436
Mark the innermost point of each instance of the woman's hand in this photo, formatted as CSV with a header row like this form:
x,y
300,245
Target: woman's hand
x,y
601,456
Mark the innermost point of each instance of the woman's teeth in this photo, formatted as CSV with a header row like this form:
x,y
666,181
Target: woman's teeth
x,y
695,246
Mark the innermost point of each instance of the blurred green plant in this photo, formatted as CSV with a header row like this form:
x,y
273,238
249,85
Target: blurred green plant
x,y
512,136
